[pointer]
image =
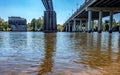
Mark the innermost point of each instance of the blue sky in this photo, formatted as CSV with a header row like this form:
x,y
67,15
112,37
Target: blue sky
x,y
30,9
34,8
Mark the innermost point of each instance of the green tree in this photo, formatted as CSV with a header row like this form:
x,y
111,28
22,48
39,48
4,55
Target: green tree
x,y
39,24
4,26
33,23
60,28
29,27
114,24
1,24
36,24
42,22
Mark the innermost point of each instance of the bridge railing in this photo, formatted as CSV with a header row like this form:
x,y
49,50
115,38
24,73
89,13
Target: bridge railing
x,y
85,4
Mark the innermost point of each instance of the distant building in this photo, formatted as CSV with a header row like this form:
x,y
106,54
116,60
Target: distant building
x,y
17,23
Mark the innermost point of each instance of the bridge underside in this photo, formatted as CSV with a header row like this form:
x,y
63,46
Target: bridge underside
x,y
94,10
95,14
106,3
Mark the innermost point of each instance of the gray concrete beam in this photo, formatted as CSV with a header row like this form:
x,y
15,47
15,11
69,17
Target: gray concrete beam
x,y
115,2
104,2
77,19
86,26
89,20
103,8
66,28
80,26
92,26
74,26
100,22
69,27
119,27
45,4
111,21
48,4
98,2
110,3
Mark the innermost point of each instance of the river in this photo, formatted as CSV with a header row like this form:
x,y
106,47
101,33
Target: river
x,y
37,53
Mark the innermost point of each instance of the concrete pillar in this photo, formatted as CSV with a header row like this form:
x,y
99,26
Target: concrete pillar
x,y
100,22
86,26
89,20
92,26
66,28
69,27
80,26
119,28
74,26
111,21
50,24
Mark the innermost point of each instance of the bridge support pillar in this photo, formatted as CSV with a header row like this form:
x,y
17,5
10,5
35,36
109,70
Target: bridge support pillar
x,y
69,27
86,26
119,27
74,26
89,20
66,28
92,27
80,26
111,21
50,23
100,22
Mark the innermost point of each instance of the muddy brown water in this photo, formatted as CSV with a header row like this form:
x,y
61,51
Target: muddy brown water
x,y
36,53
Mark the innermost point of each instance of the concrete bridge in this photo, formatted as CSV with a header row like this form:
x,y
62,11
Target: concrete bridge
x,y
50,24
92,10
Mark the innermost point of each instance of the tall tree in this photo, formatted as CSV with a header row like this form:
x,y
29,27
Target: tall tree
x,y
36,24
114,23
42,22
33,23
60,27
1,24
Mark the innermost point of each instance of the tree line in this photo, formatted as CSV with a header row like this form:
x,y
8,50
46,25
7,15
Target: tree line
x,y
37,25
34,25
105,25
4,26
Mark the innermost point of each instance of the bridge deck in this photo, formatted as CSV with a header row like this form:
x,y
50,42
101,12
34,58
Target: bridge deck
x,y
82,12
48,4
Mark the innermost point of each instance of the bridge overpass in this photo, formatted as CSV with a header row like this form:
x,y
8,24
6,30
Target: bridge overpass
x,y
50,24
93,10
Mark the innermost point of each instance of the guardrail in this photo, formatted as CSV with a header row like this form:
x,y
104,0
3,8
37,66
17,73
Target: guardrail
x,y
80,9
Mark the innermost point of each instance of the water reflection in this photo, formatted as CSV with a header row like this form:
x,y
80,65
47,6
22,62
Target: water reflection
x,y
3,39
19,40
48,60
118,58
55,54
98,49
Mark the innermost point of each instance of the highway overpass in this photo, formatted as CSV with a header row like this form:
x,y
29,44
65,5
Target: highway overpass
x,y
93,10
